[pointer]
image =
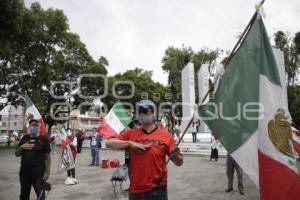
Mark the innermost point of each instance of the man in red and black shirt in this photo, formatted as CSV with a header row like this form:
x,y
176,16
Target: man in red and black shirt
x,y
148,148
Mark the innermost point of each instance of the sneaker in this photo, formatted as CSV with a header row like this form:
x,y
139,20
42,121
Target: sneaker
x,y
241,192
69,181
75,180
91,164
229,190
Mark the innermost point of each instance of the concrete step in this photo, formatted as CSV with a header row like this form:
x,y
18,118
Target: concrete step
x,y
199,149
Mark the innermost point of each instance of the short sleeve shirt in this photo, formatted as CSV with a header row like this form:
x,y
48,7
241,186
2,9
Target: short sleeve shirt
x,y
34,160
146,166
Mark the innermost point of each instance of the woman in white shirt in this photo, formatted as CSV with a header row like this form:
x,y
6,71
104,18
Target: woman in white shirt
x,y
214,148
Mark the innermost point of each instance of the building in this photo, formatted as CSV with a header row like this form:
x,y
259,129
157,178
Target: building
x,y
86,121
11,119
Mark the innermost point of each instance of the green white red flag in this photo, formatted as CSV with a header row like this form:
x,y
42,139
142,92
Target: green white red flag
x,y
32,112
114,122
164,122
249,113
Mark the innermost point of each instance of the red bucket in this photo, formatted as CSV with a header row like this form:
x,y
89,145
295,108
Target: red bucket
x,y
105,164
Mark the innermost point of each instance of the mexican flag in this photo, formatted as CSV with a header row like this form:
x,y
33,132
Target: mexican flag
x,y
32,112
249,114
114,122
164,122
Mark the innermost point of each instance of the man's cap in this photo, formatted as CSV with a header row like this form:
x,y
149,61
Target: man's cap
x,y
146,103
34,122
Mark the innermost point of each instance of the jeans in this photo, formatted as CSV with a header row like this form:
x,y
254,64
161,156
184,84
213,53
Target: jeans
x,y
53,147
194,134
95,155
160,193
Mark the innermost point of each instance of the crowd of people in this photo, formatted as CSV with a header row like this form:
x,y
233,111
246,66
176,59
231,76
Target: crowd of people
x,y
34,150
147,147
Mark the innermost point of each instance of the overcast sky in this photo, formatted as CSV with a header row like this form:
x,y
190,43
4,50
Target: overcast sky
x,y
135,33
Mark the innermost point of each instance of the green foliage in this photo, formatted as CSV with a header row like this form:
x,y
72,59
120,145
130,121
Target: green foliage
x,y
175,59
291,51
11,14
294,103
37,48
143,84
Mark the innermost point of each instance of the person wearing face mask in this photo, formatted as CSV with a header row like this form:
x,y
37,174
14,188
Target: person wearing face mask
x,y
72,142
34,150
148,146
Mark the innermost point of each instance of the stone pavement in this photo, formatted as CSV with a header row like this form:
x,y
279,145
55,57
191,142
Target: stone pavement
x,y
197,179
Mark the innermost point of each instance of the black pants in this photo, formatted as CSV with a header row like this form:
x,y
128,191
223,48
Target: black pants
x,y
79,146
231,164
160,193
214,154
26,181
71,172
127,163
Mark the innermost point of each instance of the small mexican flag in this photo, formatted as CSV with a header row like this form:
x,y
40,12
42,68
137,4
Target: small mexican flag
x,y
164,122
32,112
114,122
250,116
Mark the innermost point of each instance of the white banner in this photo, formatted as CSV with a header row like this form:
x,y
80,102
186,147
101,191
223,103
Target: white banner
x,y
66,161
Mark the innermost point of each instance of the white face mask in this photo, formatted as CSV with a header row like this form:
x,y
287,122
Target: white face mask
x,y
69,133
145,119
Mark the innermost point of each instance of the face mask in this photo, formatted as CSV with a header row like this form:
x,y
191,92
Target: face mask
x,y
145,119
33,131
69,133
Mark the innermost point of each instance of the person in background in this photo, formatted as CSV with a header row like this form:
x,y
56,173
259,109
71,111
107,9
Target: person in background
x,y
214,148
95,144
198,124
34,150
177,130
231,164
52,142
22,133
72,141
80,138
194,132
9,139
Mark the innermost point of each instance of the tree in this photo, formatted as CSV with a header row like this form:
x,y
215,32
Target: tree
x,y
143,84
11,13
294,103
175,59
44,51
291,51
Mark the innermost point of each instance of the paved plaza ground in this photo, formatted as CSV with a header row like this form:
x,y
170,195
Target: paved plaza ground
x,y
197,179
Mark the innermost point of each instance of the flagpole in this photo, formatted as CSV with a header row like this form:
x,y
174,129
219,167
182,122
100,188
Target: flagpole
x,y
242,36
232,53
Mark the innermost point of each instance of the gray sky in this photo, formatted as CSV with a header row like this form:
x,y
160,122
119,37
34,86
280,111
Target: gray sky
x,y
135,33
